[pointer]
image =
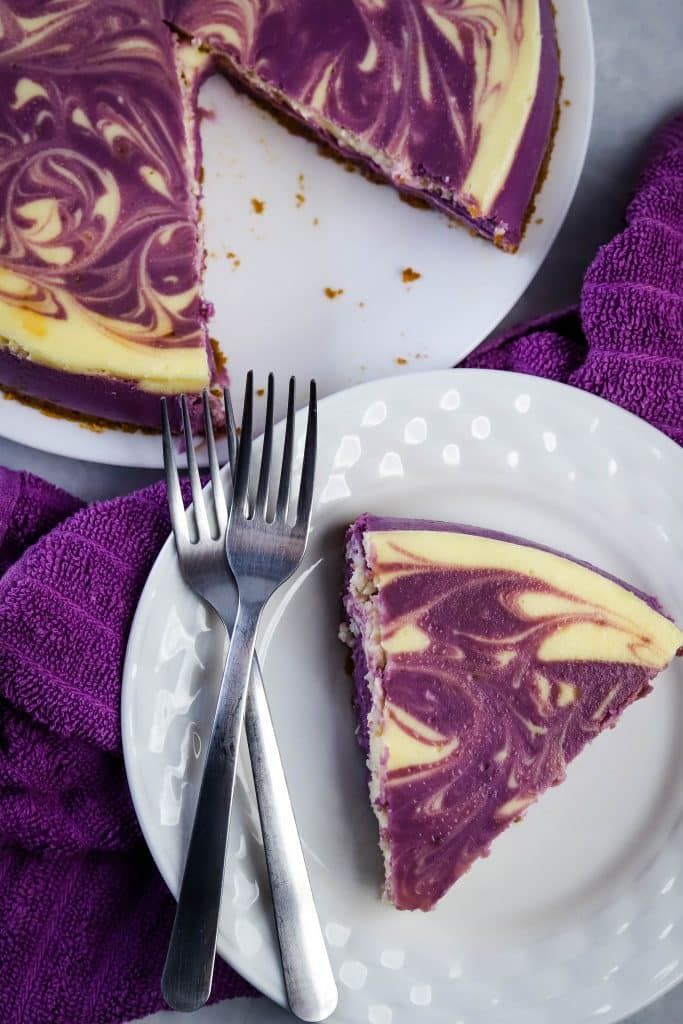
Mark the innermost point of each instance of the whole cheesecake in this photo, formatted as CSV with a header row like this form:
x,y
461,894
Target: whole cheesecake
x,y
483,665
101,255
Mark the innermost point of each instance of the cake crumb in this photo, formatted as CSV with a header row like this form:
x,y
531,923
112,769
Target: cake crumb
x,y
300,199
316,221
361,305
539,220
416,201
260,392
332,293
567,103
409,275
400,361
302,180
234,259
258,205
206,114
349,167
218,357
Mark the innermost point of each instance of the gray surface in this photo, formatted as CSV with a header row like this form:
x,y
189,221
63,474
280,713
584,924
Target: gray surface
x,y
639,83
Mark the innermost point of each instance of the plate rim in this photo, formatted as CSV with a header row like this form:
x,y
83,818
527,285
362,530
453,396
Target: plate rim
x,y
26,425
526,383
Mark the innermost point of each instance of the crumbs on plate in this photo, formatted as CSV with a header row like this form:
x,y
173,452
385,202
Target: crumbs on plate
x,y
258,205
332,293
409,275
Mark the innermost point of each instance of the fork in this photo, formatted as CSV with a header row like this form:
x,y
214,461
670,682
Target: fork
x,y
186,984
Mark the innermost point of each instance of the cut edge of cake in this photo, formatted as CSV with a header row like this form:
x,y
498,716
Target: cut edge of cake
x,y
544,113
361,632
101,399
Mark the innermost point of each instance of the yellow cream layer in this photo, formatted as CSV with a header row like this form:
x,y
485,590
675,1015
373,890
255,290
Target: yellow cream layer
x,y
87,343
625,629
502,113
410,741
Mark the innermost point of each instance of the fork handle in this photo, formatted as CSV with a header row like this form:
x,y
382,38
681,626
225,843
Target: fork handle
x,y
188,972
309,981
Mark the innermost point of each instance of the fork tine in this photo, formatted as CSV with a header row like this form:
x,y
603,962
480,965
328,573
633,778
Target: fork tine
x,y
303,512
173,496
287,452
200,516
241,479
231,432
219,504
261,503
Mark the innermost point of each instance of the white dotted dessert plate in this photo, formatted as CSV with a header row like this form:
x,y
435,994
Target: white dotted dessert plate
x,y
577,915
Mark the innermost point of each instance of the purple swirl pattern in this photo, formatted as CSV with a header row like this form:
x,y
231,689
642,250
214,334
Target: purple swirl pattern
x,y
407,85
94,192
100,261
495,721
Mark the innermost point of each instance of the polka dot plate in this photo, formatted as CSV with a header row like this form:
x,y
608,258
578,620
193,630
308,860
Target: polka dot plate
x,y
577,915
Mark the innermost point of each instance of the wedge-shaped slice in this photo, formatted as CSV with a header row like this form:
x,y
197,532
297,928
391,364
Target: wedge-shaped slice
x,y
483,665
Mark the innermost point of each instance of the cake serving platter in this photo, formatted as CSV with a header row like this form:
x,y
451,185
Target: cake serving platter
x,y
577,915
319,272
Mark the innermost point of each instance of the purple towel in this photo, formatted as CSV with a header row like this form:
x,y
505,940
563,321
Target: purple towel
x,y
625,342
84,916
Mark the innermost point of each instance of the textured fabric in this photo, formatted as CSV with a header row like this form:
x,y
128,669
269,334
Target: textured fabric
x,y
84,916
625,341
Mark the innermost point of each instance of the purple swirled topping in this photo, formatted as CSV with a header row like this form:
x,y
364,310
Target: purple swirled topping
x,y
483,666
99,255
452,99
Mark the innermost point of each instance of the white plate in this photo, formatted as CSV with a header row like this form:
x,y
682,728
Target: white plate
x,y
271,310
578,913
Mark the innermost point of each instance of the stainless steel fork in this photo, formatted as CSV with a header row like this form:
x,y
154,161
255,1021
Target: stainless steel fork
x,y
309,983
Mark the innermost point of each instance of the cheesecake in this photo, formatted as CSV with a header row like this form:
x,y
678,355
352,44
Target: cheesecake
x,y
101,252
483,665
101,258
453,103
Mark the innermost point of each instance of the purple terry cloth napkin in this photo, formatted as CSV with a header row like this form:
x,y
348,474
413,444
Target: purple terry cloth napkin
x,y
84,916
625,341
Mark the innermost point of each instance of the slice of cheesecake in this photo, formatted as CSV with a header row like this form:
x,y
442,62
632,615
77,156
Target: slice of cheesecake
x,y
100,254
483,665
451,102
